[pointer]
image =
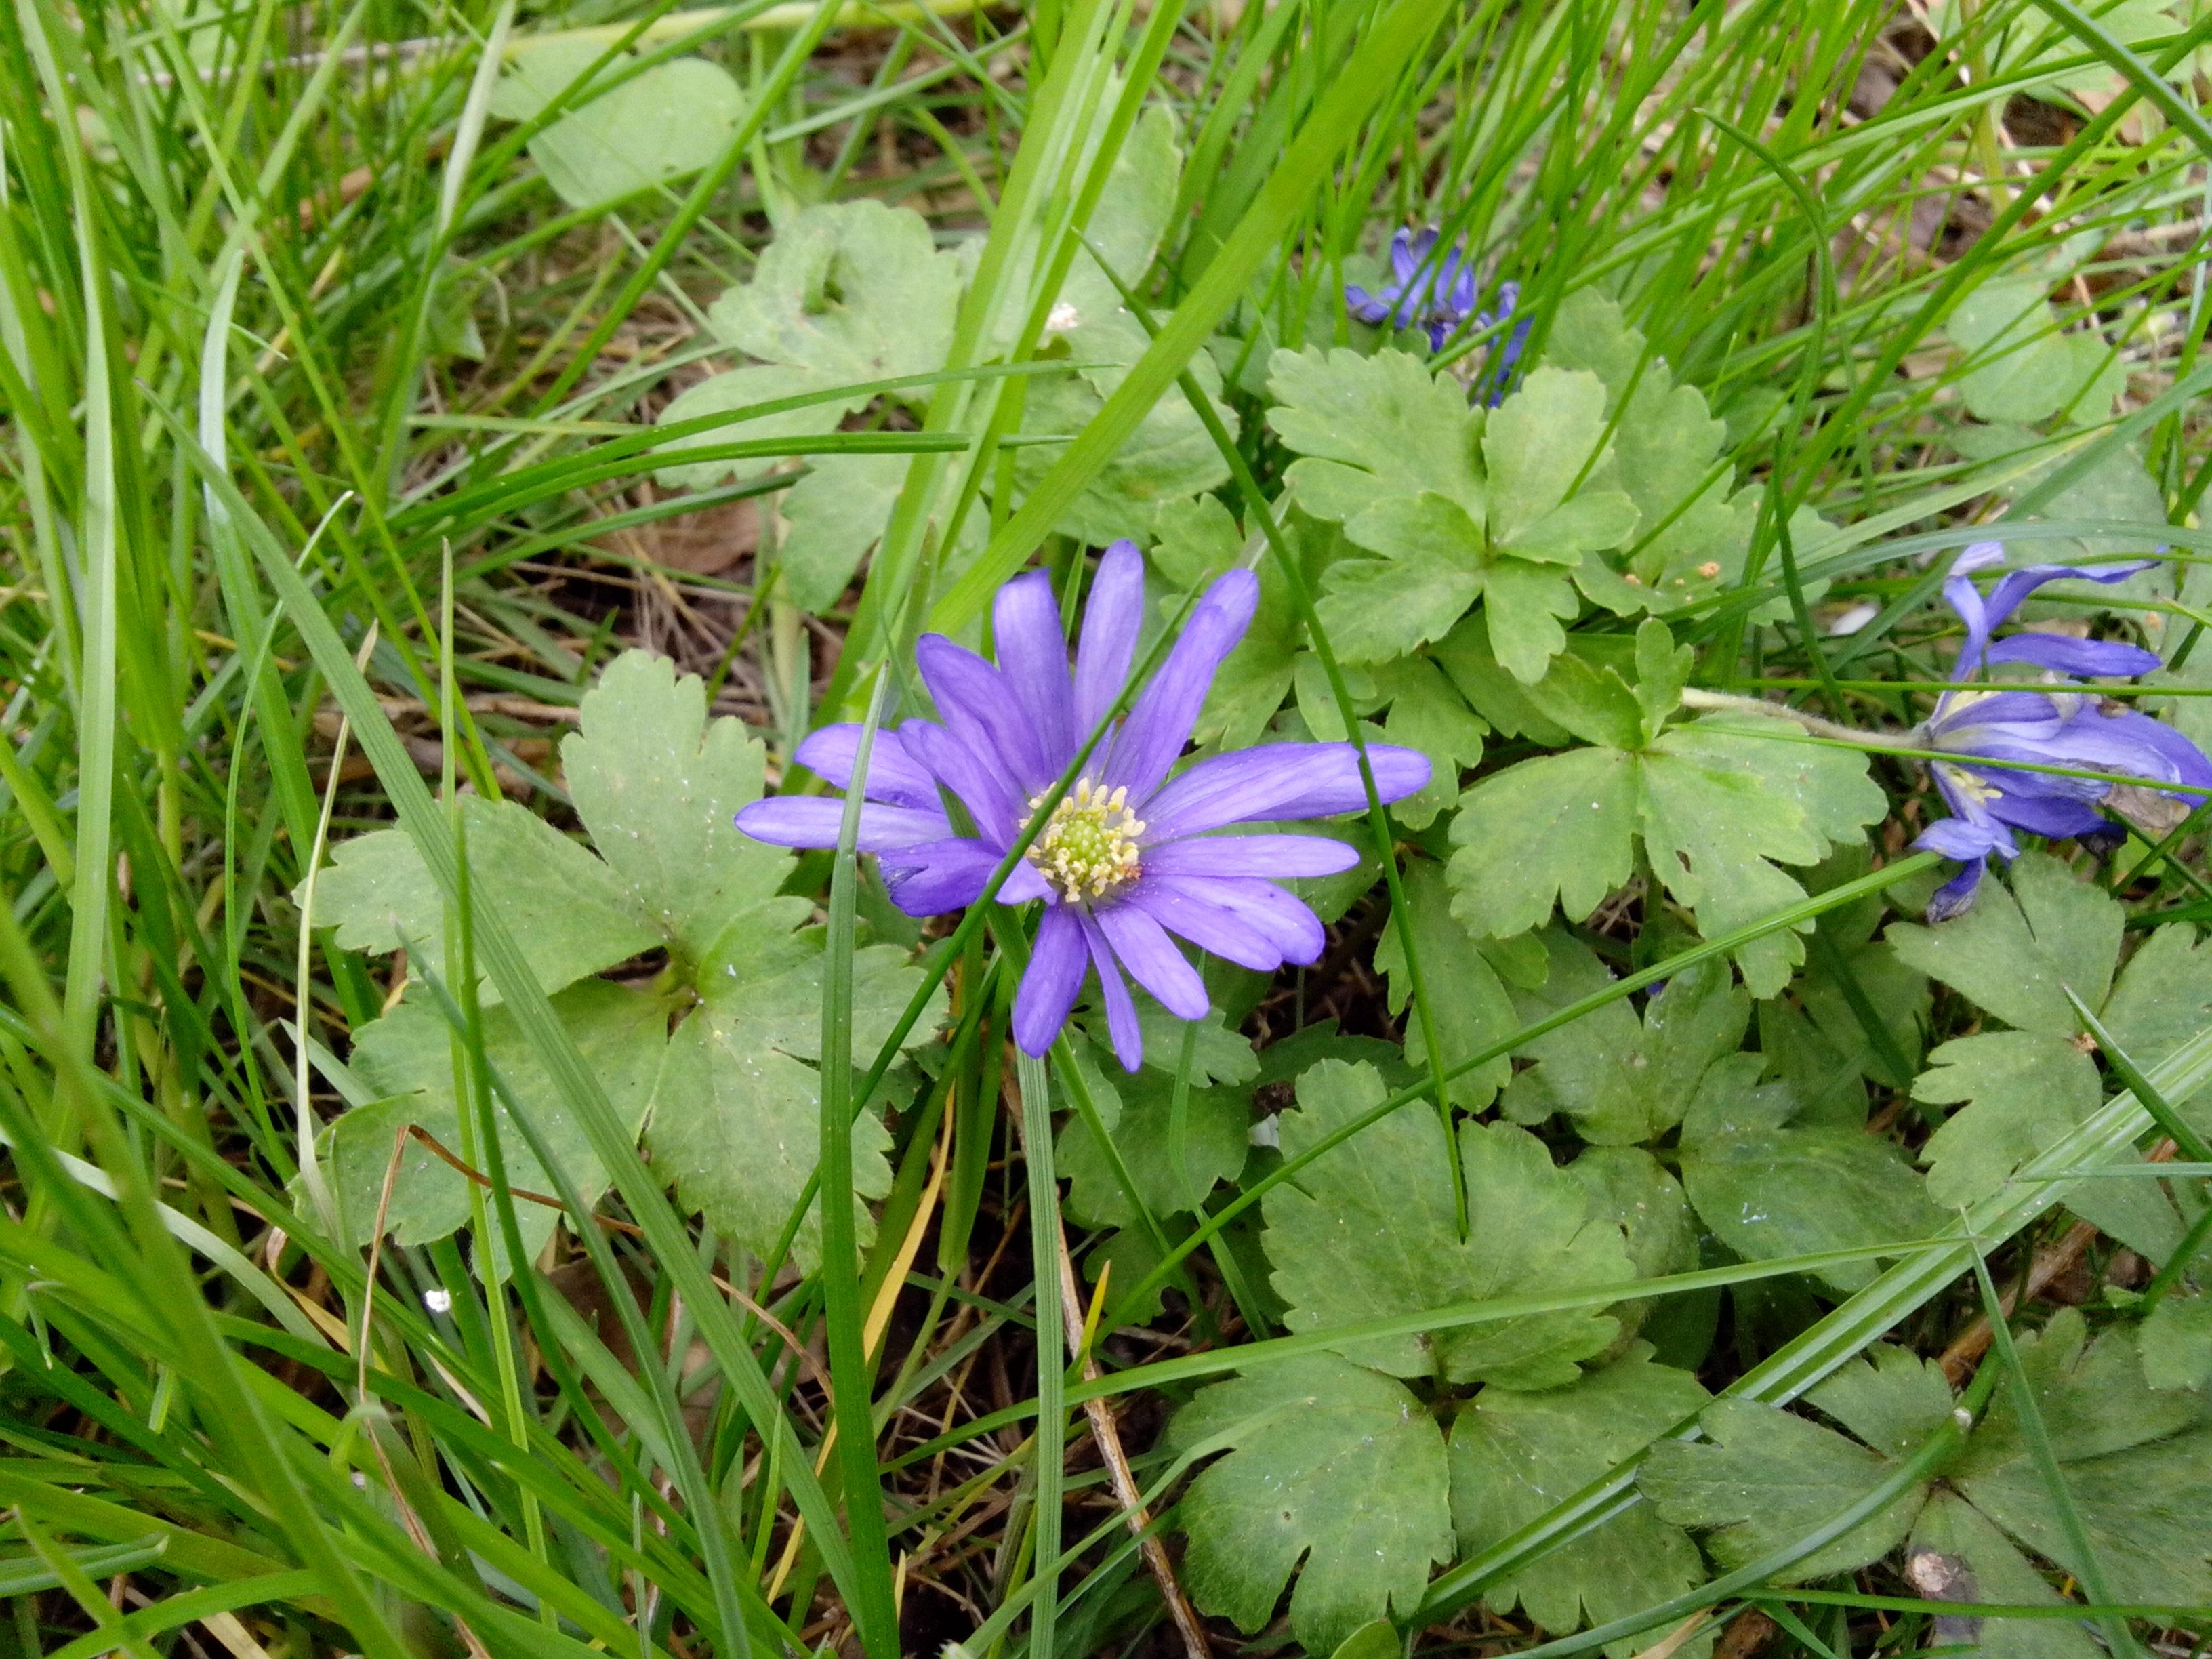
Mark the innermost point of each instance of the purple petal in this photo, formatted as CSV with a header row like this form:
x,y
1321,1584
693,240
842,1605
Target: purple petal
x,y
1283,858
2016,585
1367,307
1957,838
2090,658
1212,927
1276,915
1109,643
965,769
1054,976
2125,741
2011,781
939,876
1120,1007
1956,897
1143,947
1033,662
1963,597
1159,725
1280,780
1962,719
2052,816
1407,252
813,821
981,711
894,775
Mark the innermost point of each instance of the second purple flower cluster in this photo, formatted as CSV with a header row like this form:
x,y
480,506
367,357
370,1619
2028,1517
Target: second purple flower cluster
x,y
2058,722
1439,294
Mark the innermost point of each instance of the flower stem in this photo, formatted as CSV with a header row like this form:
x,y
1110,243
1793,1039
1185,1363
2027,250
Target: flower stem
x,y
1696,697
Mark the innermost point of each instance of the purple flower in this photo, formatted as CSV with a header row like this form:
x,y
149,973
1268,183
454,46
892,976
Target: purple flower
x,y
1125,857
2058,722
1435,295
1503,366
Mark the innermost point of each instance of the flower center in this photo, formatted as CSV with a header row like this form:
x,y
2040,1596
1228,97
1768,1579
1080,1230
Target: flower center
x,y
1979,790
1088,848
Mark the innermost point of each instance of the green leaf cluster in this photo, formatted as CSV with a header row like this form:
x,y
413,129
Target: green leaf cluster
x,y
2014,1090
1717,806
1366,1462
2137,1461
728,1100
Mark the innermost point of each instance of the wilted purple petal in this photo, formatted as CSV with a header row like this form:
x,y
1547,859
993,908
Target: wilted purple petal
x,y
1143,947
1279,915
1159,725
1108,642
894,775
1282,781
1956,897
813,821
2025,716
2135,745
979,709
2091,659
1033,661
1212,927
1283,858
1049,988
1121,1024
1407,252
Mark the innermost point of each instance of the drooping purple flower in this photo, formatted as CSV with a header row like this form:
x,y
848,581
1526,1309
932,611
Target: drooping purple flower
x,y
1127,856
2058,722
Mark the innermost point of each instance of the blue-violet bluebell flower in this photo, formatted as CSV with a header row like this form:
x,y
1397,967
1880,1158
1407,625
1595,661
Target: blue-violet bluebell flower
x,y
2056,723
1125,857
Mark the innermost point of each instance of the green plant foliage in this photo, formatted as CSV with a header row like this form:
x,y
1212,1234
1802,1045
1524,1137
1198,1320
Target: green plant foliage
x,y
1763,1478
2137,1463
732,1094
1669,456
2014,955
1169,457
1371,1229
407,1062
1475,1013
2023,369
1328,1464
661,123
2177,1343
1173,1158
1457,505
1769,1182
1515,1453
1719,805
1622,1080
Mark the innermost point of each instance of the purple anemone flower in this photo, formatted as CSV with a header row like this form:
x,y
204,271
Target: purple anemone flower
x,y
1127,856
1438,295
2058,722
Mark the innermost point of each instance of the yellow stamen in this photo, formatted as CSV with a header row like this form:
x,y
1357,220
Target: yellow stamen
x,y
1088,848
